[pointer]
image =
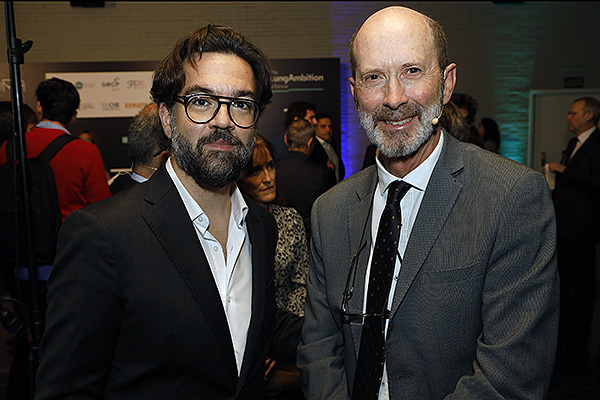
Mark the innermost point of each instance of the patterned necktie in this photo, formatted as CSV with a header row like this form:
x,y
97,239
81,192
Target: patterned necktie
x,y
369,368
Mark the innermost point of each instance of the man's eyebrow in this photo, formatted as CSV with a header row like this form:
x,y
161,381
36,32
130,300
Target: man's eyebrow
x,y
245,93
197,89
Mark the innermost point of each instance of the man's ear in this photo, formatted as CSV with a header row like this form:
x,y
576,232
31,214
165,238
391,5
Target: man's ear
x,y
285,139
352,83
449,81
165,119
38,111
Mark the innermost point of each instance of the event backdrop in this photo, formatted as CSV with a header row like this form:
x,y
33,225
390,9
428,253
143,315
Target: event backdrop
x,y
113,93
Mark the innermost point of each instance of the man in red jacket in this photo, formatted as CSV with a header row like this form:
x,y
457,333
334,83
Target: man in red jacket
x,y
78,168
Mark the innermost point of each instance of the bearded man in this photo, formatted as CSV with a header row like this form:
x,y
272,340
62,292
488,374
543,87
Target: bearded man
x,y
448,289
165,291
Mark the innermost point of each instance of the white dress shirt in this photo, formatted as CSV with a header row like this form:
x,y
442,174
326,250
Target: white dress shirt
x,y
138,178
409,207
233,276
52,125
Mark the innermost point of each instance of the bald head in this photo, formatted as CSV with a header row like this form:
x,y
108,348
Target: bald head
x,y
394,26
400,81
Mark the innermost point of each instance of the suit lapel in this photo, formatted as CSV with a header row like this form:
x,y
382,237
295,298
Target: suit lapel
x,y
359,227
588,146
440,196
256,235
169,221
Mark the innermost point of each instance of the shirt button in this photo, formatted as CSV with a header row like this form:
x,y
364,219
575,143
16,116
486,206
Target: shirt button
x,y
200,219
228,299
215,248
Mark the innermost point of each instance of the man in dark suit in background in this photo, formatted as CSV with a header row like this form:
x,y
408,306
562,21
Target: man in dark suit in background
x,y
300,180
146,144
324,150
166,291
295,111
577,203
467,307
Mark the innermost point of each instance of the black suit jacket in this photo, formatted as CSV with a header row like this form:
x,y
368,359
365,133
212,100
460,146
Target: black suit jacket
x,y
319,155
577,193
122,182
299,182
133,309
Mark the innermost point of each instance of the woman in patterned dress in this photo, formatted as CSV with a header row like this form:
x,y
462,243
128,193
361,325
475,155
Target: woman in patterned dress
x,y
291,256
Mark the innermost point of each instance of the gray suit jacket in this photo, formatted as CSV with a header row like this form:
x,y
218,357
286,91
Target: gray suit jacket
x,y
475,310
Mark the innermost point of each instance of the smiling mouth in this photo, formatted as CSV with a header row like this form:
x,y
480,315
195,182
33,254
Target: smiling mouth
x,y
400,122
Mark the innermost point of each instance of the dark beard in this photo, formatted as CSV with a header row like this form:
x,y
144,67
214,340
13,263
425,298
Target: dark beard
x,y
211,169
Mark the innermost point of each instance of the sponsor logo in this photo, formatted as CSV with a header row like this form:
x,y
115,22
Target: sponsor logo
x,y
111,106
81,85
87,106
111,84
138,106
136,84
285,79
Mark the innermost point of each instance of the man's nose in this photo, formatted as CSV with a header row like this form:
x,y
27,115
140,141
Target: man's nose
x,y
222,119
395,93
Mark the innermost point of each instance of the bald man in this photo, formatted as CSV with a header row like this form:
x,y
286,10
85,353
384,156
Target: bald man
x,y
465,305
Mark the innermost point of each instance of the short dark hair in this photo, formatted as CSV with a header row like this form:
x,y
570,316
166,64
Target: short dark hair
x,y
59,100
491,130
169,76
297,110
468,102
592,105
146,136
29,116
322,115
6,119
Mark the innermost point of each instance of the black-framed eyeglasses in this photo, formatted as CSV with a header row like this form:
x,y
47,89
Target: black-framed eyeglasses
x,y
353,318
202,108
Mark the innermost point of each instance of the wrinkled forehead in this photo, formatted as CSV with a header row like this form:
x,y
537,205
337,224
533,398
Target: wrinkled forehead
x,y
394,32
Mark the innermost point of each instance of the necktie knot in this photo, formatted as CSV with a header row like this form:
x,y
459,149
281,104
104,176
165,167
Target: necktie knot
x,y
396,191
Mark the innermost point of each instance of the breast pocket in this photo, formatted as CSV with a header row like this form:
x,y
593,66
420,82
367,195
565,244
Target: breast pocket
x,y
471,272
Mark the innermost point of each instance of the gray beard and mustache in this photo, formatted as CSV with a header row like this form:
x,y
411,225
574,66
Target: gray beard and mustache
x,y
393,144
211,169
